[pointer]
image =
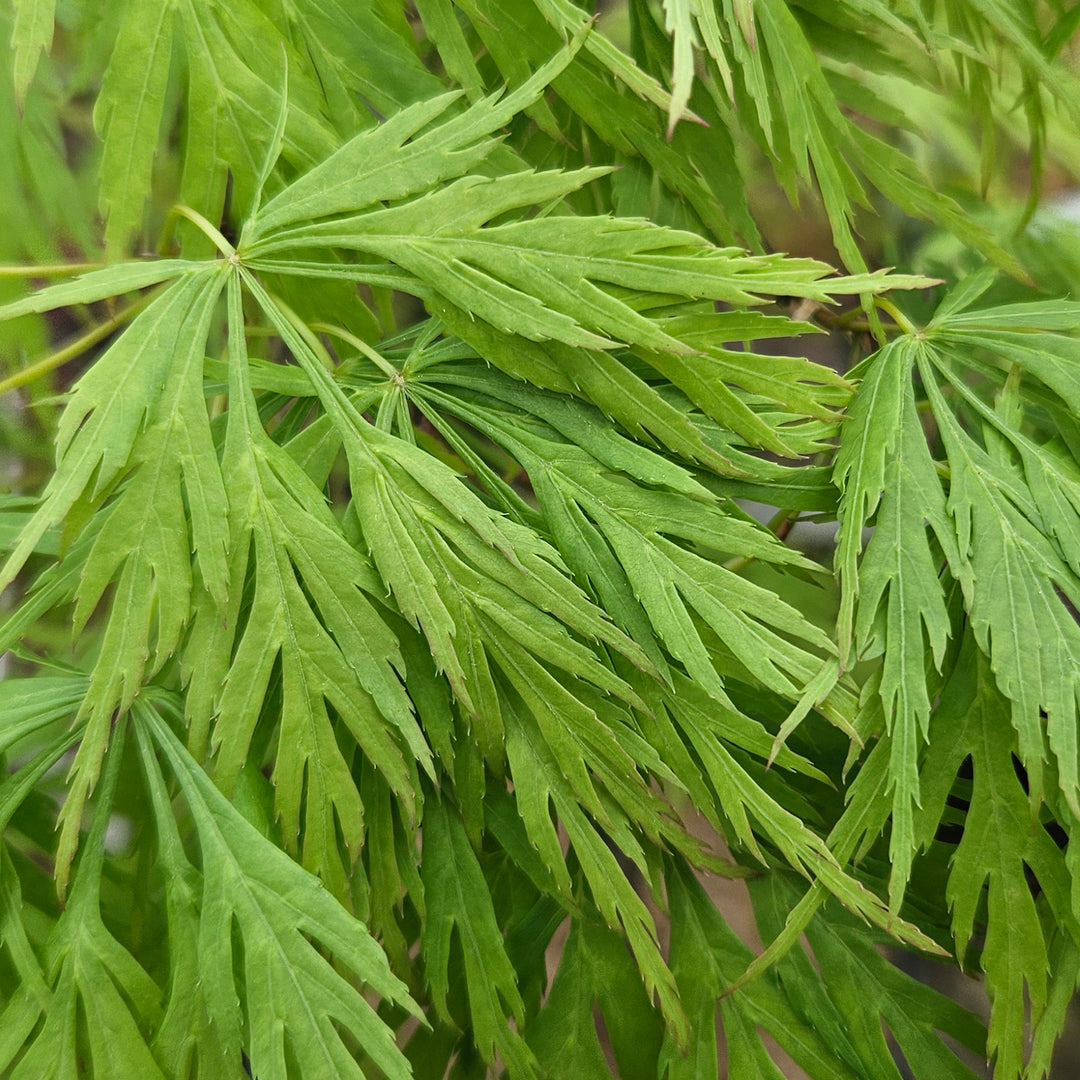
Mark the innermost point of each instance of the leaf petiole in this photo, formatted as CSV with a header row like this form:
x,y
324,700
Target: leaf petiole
x,y
204,226
897,315
342,334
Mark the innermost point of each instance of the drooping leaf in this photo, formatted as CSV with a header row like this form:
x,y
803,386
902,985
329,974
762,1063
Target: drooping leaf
x,y
32,32
706,956
89,973
863,996
458,899
456,513
893,603
292,997
596,971
310,620
1001,845
129,114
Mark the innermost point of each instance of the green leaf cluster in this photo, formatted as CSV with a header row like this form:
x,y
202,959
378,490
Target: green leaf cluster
x,y
414,661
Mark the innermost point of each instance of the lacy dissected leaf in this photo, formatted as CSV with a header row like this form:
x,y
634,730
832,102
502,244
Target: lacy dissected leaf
x,y
596,971
600,753
140,406
998,508
398,158
32,32
167,511
706,956
459,571
295,1003
892,601
555,277
1013,574
1016,510
858,997
100,1002
1003,849
309,621
458,897
627,541
113,401
539,782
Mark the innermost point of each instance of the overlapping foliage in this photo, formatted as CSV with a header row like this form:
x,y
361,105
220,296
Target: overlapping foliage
x,y
401,514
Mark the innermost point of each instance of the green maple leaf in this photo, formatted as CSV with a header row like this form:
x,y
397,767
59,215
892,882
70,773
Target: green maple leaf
x,y
1001,844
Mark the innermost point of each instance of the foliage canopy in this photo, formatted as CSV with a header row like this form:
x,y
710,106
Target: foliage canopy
x,y
402,515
